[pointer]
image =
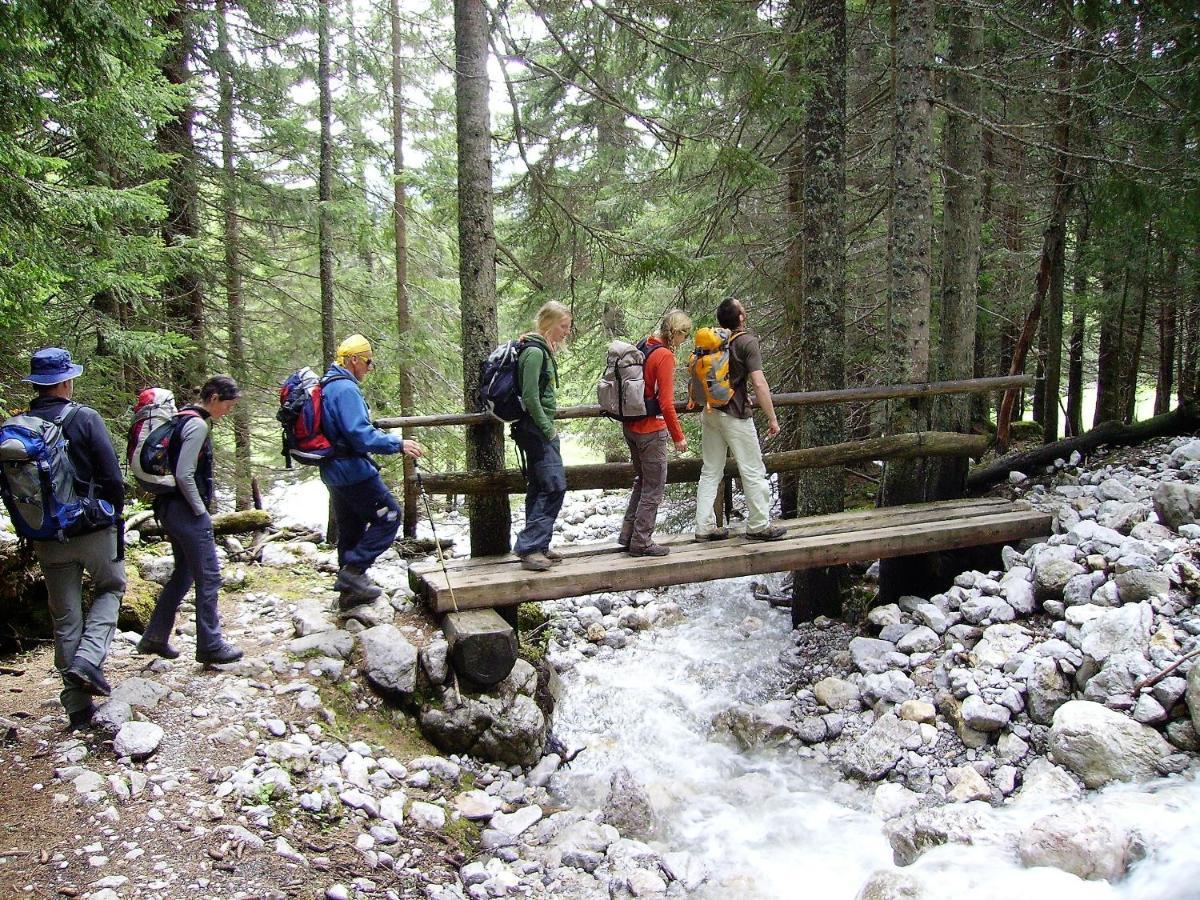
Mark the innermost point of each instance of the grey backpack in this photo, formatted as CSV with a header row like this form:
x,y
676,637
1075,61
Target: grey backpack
x,y
621,390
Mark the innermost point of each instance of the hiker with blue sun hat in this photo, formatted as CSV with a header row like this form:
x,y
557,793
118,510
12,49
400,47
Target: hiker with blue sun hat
x,y
62,485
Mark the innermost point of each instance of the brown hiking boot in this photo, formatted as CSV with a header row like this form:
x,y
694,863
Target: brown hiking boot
x,y
771,533
650,550
553,555
717,534
535,562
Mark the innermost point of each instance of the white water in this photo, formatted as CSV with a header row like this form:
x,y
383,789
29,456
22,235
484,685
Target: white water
x,y
769,824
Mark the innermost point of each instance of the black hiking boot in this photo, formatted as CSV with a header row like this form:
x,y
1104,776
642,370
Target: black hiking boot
x,y
148,646
355,586
219,655
88,678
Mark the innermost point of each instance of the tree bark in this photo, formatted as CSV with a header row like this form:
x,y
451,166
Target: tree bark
x,y
490,518
1079,304
816,300
324,210
400,227
183,292
1168,316
235,305
961,237
1112,324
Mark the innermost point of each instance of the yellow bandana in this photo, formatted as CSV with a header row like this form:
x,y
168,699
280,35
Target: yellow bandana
x,y
355,345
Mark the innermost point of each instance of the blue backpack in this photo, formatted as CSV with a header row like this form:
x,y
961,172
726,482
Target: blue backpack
x,y
499,381
37,477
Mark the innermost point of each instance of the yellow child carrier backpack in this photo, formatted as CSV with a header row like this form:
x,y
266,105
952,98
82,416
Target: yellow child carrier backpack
x,y
708,366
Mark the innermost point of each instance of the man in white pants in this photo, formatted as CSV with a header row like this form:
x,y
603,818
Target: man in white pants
x,y
730,429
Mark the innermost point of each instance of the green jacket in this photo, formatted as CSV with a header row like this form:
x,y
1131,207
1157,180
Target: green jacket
x,y
538,383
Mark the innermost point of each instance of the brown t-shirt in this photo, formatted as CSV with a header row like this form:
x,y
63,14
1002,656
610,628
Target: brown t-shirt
x,y
745,357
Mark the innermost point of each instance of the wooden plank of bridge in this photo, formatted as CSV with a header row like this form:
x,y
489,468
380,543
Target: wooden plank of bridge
x,y
813,542
829,523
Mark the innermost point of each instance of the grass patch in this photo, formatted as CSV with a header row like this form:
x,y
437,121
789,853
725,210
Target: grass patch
x,y
533,632
463,834
298,582
378,725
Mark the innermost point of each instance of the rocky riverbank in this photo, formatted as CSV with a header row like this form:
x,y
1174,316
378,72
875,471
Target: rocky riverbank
x,y
984,721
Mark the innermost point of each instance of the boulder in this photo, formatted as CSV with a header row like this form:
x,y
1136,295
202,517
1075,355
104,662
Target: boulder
x,y
872,656
983,716
140,693
836,693
887,884
879,748
890,686
754,726
1101,745
1193,695
1123,630
628,808
1046,690
1138,585
1051,576
336,643
968,785
921,639
913,834
137,739
999,644
1076,841
1177,504
1046,783
389,660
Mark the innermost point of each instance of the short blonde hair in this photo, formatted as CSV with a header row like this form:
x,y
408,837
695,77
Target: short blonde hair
x,y
551,313
676,320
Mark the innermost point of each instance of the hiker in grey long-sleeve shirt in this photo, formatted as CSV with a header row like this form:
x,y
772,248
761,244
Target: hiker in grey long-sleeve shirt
x,y
184,514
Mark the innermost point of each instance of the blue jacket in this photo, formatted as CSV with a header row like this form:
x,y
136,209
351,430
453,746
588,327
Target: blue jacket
x,y
346,421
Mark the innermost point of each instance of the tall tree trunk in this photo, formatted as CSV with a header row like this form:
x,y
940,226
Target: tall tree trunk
x,y
1049,284
400,227
1112,327
359,148
183,292
1189,346
816,303
324,210
961,236
235,305
1079,304
909,247
1132,361
1168,316
490,518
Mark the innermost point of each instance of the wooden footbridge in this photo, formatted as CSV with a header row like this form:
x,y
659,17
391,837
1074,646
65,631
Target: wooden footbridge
x,y
469,591
858,536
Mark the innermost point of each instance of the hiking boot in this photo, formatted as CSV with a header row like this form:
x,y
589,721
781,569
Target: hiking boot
x,y
88,678
717,534
354,583
553,555
535,562
650,550
219,655
81,718
148,646
772,533
348,600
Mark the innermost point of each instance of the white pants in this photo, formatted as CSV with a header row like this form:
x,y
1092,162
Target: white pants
x,y
722,434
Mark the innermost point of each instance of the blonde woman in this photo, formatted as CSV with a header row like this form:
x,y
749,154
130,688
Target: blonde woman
x,y
647,438
537,438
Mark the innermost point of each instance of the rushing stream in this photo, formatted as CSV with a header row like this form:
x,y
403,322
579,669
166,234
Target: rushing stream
x,y
769,824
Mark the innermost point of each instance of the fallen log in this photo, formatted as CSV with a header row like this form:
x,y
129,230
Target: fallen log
x,y
240,522
1178,421
620,475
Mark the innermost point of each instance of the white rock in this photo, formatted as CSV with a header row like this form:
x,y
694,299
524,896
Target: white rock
x,y
137,739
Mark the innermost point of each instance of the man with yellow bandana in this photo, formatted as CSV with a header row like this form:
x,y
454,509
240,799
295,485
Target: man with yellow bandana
x,y
367,514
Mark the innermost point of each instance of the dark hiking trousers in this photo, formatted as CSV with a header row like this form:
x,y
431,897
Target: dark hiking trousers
x,y
79,635
195,552
546,482
648,453
368,519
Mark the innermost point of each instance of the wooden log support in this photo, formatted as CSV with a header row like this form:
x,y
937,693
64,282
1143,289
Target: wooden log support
x,y
483,647
803,398
812,542
620,475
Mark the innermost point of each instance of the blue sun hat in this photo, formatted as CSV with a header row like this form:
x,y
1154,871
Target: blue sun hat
x,y
51,366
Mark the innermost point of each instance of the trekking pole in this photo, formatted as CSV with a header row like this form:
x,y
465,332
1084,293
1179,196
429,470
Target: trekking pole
x,y
437,544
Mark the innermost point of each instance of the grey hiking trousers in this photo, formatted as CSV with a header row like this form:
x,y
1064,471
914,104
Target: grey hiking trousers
x,y
75,634
648,453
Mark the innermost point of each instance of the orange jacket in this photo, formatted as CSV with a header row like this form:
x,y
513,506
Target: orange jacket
x,y
660,382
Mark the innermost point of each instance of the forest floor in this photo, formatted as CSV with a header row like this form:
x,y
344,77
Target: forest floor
x,y
156,828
